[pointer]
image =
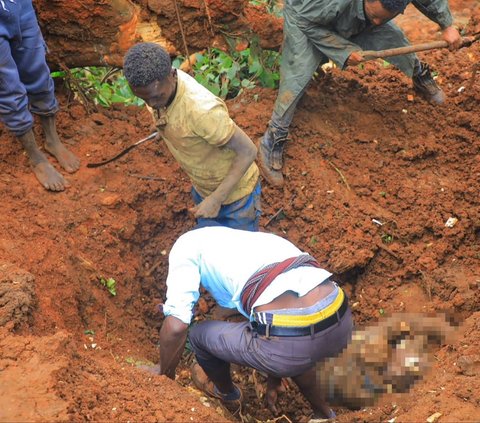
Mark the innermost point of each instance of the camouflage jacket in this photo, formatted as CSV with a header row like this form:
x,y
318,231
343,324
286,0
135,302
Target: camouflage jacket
x,y
336,21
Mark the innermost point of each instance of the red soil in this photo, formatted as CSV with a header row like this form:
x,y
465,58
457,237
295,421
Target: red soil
x,y
361,150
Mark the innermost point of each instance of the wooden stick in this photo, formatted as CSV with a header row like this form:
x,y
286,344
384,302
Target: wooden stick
x,y
432,45
340,173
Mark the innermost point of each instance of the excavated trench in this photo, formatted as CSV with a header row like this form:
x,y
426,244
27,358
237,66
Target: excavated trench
x,y
362,151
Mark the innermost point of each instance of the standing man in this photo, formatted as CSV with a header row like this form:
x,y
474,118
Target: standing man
x,y
297,314
318,30
214,152
26,87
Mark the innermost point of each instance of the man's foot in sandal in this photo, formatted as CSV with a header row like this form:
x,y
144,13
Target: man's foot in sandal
x,y
231,400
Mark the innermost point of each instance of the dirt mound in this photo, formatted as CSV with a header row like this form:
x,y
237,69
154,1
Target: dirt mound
x,y
17,295
27,379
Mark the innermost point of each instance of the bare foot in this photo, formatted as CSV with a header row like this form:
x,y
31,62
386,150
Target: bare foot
x,y
49,177
66,158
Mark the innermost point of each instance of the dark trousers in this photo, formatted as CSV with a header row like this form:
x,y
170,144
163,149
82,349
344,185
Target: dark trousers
x,y
25,83
217,344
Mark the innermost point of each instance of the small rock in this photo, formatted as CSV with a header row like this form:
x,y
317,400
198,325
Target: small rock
x,y
110,200
451,222
434,417
469,365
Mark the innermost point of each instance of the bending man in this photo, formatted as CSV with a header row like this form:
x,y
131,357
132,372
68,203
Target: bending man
x,y
297,314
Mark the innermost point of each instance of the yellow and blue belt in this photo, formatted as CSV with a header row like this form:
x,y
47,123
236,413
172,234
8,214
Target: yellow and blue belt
x,y
302,325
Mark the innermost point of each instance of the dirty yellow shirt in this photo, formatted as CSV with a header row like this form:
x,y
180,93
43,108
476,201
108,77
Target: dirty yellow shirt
x,y
196,126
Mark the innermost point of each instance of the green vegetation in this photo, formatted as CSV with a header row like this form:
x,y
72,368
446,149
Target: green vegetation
x,y
387,238
228,74
224,74
273,6
110,284
100,85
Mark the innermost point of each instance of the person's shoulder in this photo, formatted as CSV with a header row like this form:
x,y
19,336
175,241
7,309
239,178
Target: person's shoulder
x,y
199,97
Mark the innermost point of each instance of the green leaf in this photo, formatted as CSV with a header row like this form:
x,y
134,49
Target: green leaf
x,y
110,284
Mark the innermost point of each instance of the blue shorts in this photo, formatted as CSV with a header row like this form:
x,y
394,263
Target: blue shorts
x,y
242,214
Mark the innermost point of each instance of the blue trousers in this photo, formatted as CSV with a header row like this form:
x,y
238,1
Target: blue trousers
x,y
26,86
242,214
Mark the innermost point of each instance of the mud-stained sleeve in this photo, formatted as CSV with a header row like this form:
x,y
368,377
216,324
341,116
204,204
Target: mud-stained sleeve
x,y
333,45
435,10
215,125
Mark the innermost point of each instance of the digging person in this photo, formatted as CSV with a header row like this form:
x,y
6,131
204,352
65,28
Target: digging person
x,y
316,31
215,153
296,314
26,87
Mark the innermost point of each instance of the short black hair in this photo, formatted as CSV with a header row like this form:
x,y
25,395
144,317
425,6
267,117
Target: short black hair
x,y
395,5
145,63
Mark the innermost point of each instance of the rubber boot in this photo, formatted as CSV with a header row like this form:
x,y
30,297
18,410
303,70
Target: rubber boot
x,y
270,155
425,85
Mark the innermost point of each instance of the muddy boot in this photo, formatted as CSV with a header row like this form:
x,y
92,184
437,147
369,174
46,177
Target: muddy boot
x,y
425,85
270,156
44,171
54,146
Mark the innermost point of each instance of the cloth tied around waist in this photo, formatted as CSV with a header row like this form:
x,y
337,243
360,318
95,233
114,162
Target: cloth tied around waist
x,y
260,280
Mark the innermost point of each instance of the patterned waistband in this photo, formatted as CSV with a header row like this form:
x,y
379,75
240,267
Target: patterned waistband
x,y
276,318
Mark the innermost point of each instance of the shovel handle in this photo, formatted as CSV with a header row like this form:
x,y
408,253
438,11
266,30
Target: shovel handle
x,y
381,54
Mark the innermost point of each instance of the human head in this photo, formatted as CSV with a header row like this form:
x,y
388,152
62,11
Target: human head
x,y
148,70
379,12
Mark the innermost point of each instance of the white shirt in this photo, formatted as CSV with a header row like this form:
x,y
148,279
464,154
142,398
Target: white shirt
x,y
222,260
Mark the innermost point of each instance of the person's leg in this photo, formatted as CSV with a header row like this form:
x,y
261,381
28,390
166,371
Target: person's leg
x,y
216,344
15,115
325,345
35,76
389,36
300,59
307,384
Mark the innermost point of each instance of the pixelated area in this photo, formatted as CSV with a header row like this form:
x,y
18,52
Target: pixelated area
x,y
386,357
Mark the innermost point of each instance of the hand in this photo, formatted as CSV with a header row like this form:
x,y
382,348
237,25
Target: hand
x,y
208,208
452,37
355,58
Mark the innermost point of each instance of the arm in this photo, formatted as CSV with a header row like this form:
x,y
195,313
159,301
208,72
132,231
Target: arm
x,y
172,342
246,152
439,12
183,283
334,46
435,10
